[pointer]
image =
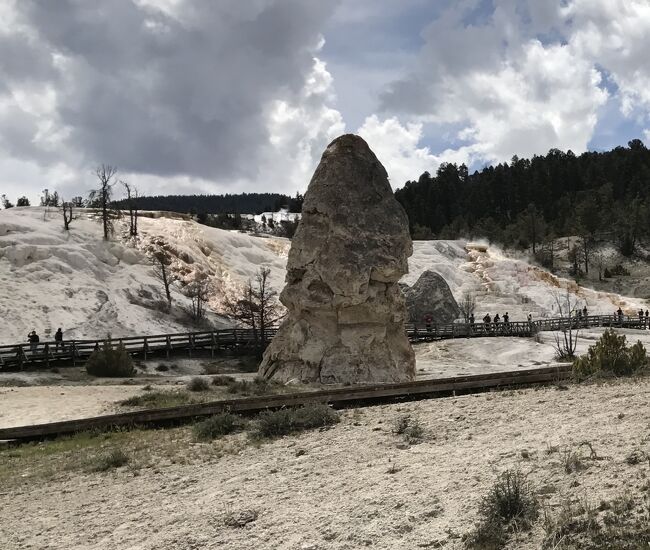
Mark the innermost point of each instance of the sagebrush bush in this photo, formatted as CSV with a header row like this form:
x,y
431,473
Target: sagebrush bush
x,y
217,426
110,361
510,504
611,356
409,427
221,380
198,384
285,421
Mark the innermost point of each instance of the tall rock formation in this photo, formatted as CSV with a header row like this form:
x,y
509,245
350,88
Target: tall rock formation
x,y
431,295
346,313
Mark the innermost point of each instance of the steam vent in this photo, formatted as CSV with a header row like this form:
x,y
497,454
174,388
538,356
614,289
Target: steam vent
x,y
346,312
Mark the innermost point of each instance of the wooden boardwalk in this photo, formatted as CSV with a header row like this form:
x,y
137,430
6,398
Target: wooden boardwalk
x,y
48,354
336,397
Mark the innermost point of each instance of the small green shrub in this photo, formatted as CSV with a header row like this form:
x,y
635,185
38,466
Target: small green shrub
x,y
109,460
198,384
217,426
240,518
510,504
610,356
285,421
110,361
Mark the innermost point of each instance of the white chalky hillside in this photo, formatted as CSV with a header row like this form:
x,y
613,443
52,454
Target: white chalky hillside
x,y
51,278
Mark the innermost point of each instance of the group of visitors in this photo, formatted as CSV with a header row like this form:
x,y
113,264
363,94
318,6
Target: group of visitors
x,y
497,324
34,340
643,318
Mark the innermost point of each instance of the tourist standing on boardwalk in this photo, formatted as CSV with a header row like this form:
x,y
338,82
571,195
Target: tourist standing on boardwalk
x,y
58,338
33,341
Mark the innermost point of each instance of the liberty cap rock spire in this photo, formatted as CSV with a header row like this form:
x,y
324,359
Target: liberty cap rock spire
x,y
346,313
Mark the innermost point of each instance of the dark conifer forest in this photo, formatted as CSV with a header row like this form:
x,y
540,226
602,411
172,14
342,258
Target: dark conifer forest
x,y
524,203
527,202
244,203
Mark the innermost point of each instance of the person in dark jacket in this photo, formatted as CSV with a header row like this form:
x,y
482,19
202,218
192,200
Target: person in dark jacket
x,y
428,319
33,341
58,338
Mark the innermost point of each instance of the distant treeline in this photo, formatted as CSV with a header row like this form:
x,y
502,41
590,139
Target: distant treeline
x,y
528,202
244,203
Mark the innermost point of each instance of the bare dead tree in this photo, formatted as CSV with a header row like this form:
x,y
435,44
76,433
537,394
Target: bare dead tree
x,y
162,261
566,339
102,196
257,306
198,291
67,215
131,196
467,305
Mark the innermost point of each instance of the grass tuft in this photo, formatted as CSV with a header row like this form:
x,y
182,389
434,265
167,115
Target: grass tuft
x,y
509,506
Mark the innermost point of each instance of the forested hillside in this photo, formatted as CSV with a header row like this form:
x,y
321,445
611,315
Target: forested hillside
x,y
527,202
244,203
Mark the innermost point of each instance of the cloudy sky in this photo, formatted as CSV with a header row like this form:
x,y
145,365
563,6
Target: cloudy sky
x,y
188,96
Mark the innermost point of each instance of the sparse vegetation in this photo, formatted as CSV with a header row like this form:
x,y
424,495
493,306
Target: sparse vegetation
x,y
217,426
110,361
618,524
270,424
510,506
611,356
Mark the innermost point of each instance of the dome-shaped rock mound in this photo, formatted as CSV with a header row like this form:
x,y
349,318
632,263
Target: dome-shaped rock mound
x,y
346,312
431,295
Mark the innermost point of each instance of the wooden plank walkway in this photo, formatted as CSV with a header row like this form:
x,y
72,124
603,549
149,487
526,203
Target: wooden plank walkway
x,y
337,397
47,354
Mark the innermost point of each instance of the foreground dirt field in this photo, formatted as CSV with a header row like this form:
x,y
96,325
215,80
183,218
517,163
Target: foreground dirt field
x,y
355,485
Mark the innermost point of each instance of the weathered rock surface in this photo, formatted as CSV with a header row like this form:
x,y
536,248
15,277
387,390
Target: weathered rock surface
x,y
431,294
346,312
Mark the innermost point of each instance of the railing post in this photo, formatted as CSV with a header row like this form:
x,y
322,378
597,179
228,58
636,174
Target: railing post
x,y
47,356
21,356
145,348
212,345
168,345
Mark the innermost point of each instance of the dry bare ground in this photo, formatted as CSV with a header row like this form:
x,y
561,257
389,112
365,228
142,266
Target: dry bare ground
x,y
357,484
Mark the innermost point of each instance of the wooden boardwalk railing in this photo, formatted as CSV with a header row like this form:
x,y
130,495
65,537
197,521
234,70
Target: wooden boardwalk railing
x,y
47,354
